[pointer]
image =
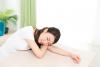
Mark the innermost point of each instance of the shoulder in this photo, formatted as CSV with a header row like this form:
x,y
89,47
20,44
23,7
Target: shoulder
x,y
27,32
28,28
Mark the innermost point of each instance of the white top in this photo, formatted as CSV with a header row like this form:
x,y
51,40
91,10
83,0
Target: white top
x,y
17,40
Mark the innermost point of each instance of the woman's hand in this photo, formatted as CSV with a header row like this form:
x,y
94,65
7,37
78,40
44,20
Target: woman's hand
x,y
75,58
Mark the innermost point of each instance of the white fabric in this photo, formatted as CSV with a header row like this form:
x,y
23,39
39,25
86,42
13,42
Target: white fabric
x,y
17,41
27,59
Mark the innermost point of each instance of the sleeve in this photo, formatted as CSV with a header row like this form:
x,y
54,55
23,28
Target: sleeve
x,y
27,33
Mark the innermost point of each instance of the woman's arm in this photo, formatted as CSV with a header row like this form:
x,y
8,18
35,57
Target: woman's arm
x,y
59,51
63,52
39,52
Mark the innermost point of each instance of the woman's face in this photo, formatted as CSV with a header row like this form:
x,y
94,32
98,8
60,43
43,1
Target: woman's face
x,y
46,38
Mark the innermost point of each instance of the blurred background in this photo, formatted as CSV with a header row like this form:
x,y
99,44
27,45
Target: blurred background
x,y
78,20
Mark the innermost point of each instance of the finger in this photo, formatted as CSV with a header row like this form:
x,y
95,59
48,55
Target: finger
x,y
76,60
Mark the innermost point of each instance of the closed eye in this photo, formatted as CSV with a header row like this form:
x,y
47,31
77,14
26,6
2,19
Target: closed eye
x,y
48,39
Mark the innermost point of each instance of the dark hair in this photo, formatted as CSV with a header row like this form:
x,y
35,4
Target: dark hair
x,y
54,31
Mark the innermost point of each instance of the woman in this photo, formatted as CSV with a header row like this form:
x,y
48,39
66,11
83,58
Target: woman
x,y
39,41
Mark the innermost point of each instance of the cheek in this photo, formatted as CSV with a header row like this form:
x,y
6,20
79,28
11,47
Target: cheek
x,y
42,38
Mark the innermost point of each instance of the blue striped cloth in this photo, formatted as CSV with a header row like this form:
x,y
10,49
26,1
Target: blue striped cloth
x,y
2,28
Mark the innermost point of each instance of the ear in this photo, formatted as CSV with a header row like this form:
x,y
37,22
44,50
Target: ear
x,y
45,30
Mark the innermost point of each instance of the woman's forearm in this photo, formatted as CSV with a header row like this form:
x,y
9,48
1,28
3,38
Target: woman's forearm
x,y
59,51
74,57
39,52
43,49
